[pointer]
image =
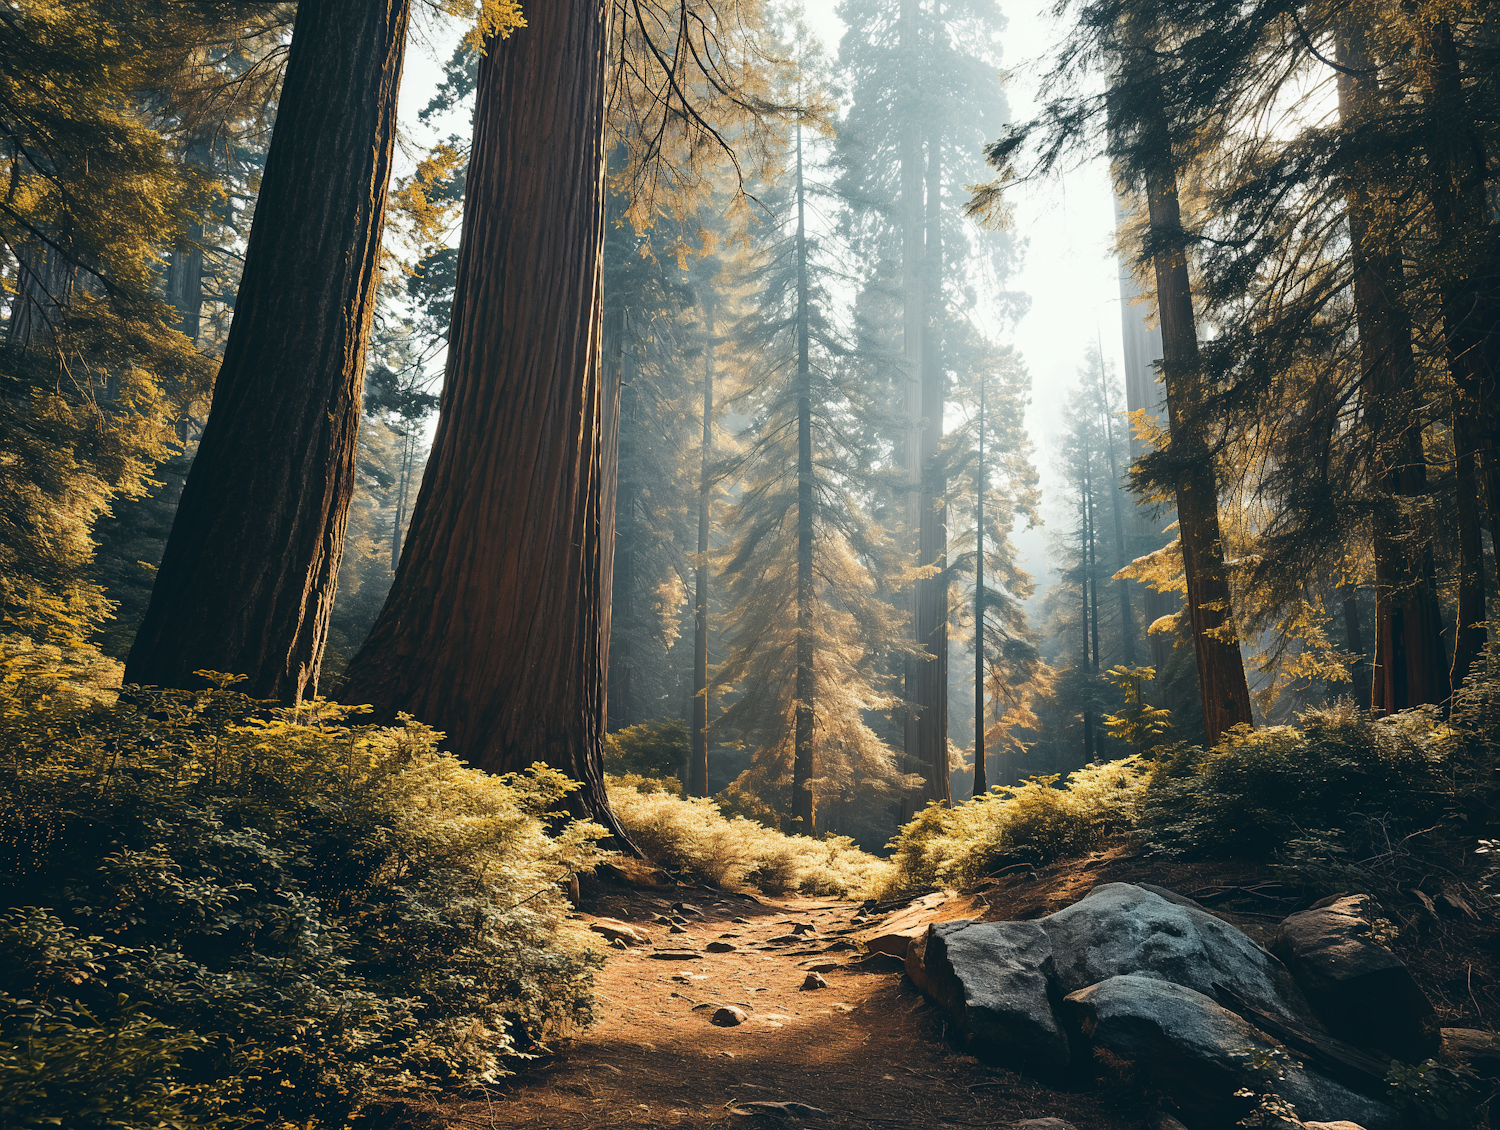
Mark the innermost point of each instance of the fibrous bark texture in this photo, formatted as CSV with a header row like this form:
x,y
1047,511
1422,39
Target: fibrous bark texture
x,y
1221,670
1410,664
246,583
494,627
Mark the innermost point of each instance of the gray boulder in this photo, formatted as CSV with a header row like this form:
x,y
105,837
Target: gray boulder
x,y
994,980
1200,1054
1120,928
1359,989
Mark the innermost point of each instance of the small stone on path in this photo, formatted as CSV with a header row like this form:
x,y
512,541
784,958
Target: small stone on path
x,y
729,1016
814,981
721,947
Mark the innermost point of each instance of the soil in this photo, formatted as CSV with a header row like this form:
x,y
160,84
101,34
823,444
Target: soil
x,y
868,1050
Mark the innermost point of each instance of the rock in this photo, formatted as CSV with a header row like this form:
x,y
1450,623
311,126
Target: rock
x,y
728,1016
1173,896
803,928
1041,1124
783,940
1342,1124
1477,1050
677,929
1358,988
877,963
1119,929
721,947
613,928
1200,1054
676,955
992,978
895,934
814,981
687,908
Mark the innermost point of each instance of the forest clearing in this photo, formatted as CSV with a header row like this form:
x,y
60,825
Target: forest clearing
x,y
864,563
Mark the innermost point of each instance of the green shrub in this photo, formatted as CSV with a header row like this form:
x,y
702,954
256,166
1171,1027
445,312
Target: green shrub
x,y
692,836
1259,790
1036,822
300,910
648,749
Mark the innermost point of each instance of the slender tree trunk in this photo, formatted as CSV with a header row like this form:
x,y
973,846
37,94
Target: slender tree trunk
x,y
1221,670
1410,665
1142,343
981,776
185,272
932,536
493,631
1127,621
622,709
612,337
1457,167
803,808
1356,643
44,287
698,755
1093,508
1083,622
246,583
913,316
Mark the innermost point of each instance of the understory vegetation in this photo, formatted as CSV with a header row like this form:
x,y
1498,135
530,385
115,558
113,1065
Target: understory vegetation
x,y
222,913
1339,802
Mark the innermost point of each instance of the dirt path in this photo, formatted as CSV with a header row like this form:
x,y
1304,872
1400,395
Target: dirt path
x,y
867,1049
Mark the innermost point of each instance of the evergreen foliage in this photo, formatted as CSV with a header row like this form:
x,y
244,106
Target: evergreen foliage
x,y
300,910
694,837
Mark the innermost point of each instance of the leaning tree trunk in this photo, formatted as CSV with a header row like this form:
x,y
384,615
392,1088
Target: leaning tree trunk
x,y
493,629
247,578
1409,666
1221,670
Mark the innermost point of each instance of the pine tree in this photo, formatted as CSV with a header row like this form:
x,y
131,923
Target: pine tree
x,y
922,95
805,620
94,374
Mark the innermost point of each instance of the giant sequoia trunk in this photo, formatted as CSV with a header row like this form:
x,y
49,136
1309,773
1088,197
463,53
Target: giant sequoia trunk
x,y
1221,671
494,629
1409,666
246,582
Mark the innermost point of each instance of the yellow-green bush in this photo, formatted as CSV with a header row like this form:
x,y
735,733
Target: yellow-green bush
x,y
1036,821
692,836
300,910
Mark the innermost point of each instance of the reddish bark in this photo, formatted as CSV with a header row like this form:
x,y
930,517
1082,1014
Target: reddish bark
x,y
494,628
247,578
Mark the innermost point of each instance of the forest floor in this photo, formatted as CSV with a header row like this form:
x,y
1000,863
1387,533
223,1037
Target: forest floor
x,y
868,1050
